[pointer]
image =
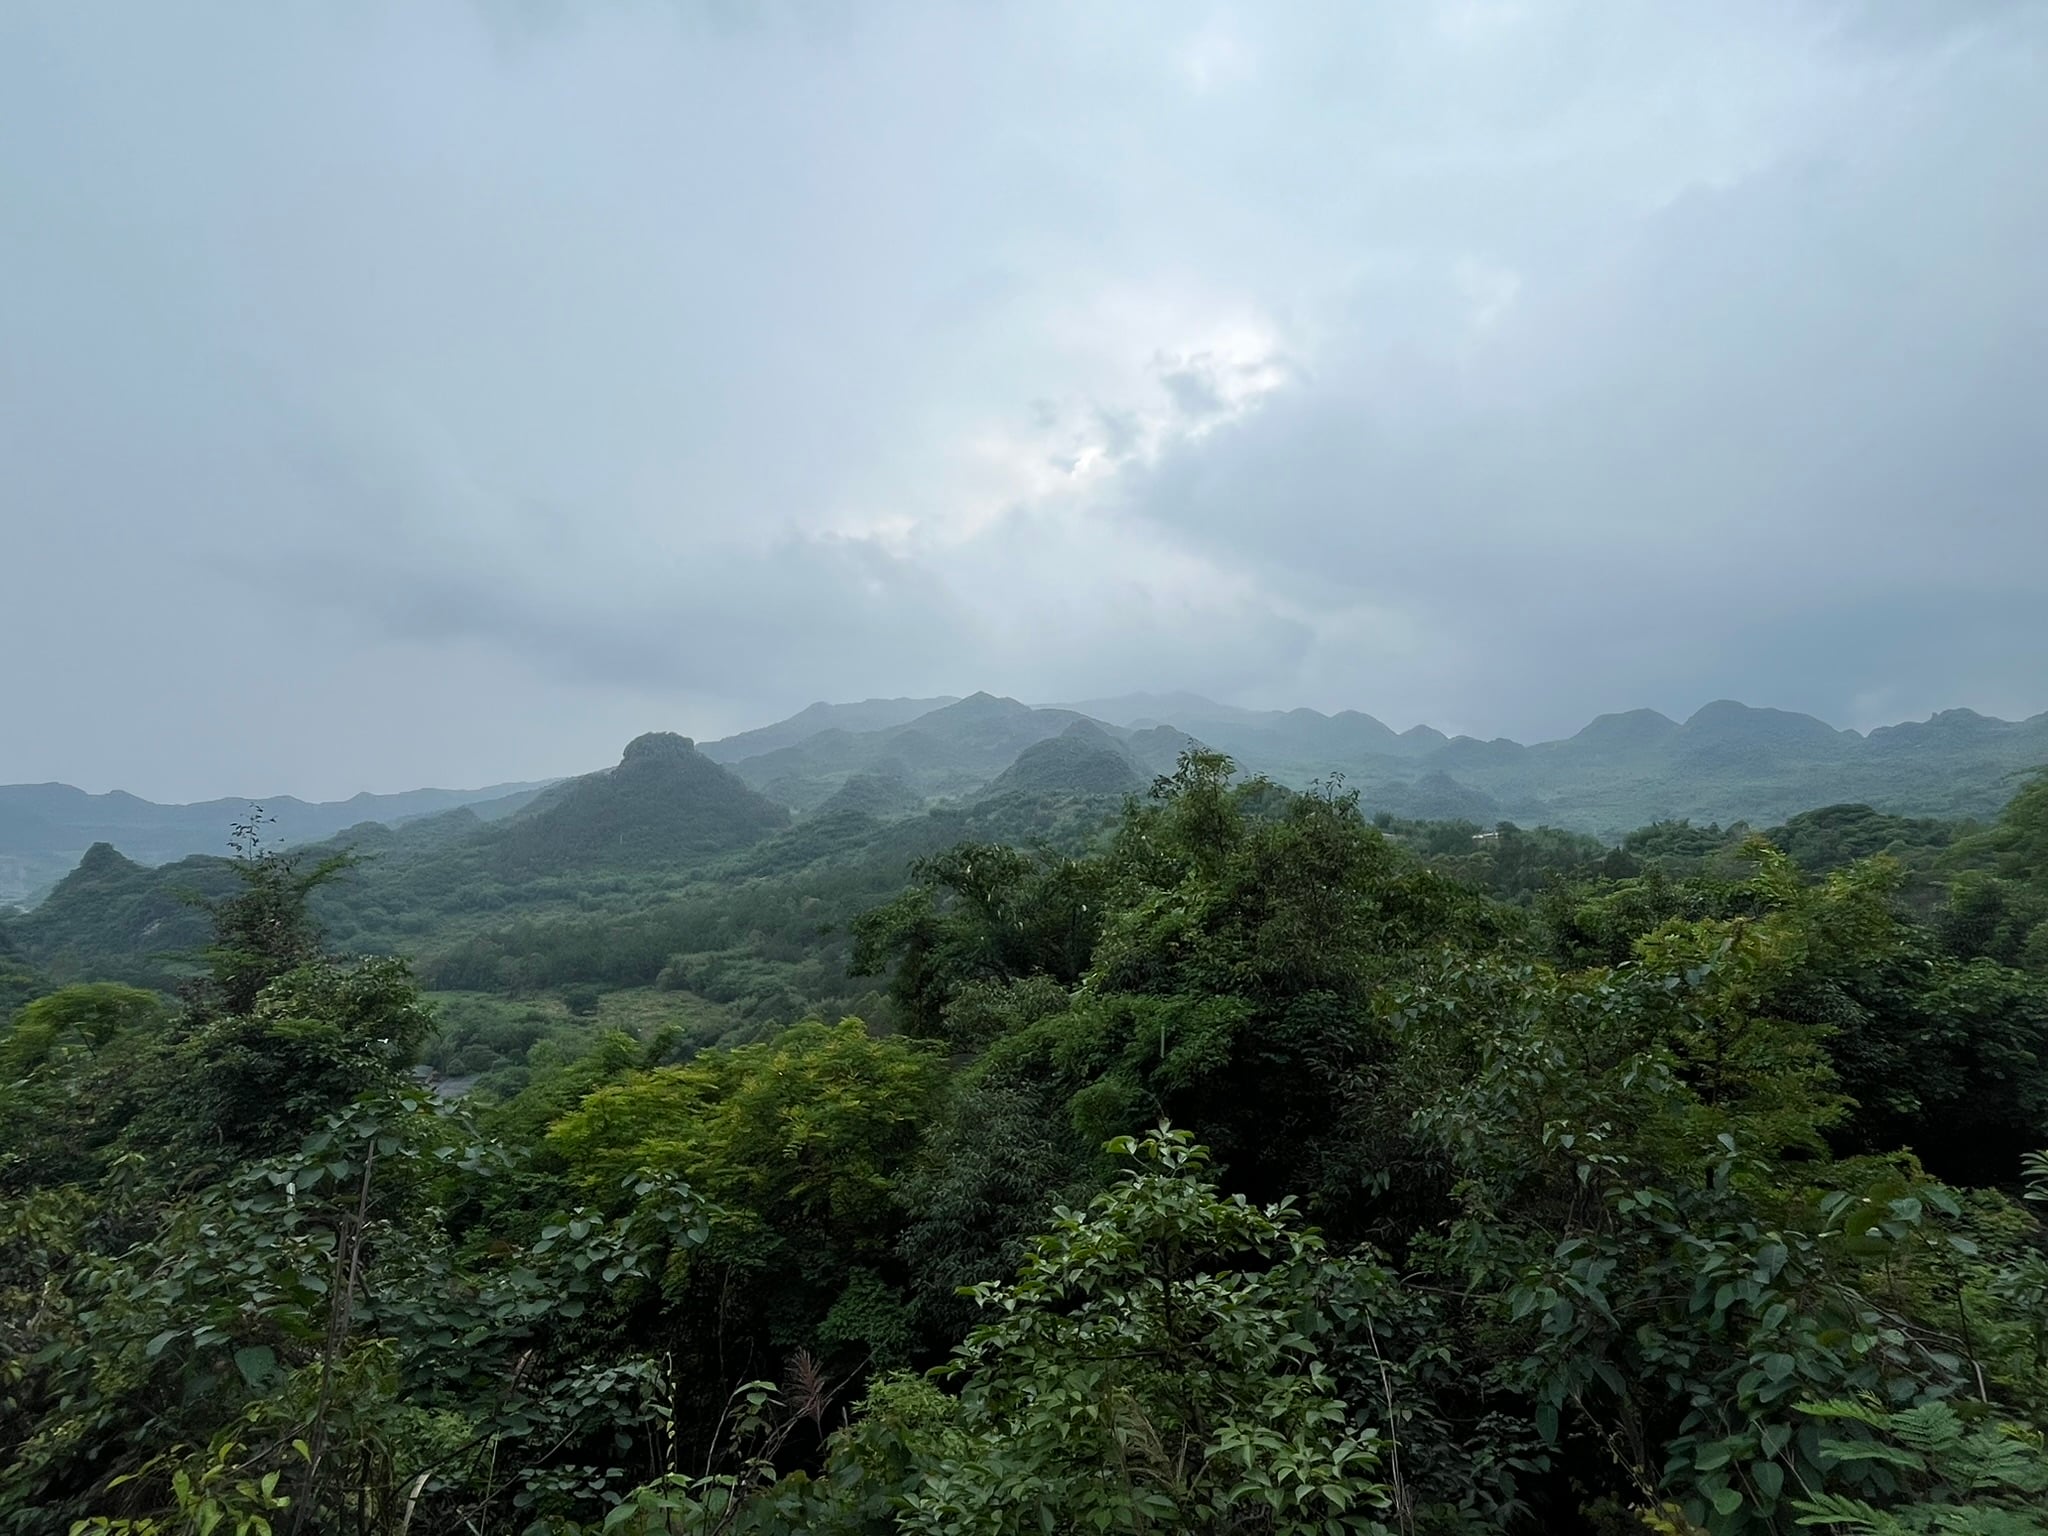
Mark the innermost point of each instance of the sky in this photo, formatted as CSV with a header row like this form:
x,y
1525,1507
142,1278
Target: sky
x,y
403,392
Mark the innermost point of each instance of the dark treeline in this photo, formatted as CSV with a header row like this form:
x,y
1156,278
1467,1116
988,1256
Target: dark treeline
x,y
1235,1162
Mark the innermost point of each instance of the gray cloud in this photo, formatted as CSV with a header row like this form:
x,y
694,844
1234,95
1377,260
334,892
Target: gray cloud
x,y
469,387
1793,407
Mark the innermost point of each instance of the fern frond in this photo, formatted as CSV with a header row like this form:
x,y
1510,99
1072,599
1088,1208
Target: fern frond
x,y
1933,1429
1873,1450
2010,1457
2035,1167
1844,1408
1974,1521
1843,1513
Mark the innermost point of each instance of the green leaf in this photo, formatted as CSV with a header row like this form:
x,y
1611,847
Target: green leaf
x,y
257,1363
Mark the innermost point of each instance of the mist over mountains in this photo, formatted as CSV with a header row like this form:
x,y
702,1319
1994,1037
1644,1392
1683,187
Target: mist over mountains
x,y
894,757
46,828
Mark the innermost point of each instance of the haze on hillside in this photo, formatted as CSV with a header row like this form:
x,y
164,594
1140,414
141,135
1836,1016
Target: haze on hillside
x,y
447,393
885,758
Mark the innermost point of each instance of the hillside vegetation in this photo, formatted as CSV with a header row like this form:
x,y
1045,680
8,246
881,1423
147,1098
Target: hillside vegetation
x,y
1728,762
1099,1151
46,828
892,756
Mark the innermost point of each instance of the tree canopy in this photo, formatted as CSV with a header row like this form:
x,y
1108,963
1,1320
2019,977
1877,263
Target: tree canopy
x,y
1247,1165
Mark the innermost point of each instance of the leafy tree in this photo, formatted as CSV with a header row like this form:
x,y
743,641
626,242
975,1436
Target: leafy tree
x,y
309,1324
1155,1366
86,1016
980,914
1651,1276
807,1130
1836,835
312,1040
265,927
986,1182
19,982
274,1035
65,1062
1232,983
2016,847
1947,1056
2003,921
804,1143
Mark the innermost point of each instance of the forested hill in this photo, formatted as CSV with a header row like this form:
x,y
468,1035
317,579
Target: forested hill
x,y
665,803
1728,762
663,811
663,866
668,872
45,829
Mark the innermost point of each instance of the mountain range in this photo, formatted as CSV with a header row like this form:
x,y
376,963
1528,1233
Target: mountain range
x,y
1727,762
894,757
46,828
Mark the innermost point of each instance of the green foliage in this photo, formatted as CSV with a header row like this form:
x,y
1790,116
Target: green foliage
x,y
1998,920
313,1039
1829,838
1231,983
664,803
1668,1288
63,1056
319,1297
1998,902
980,914
2015,848
1984,1478
1680,844
111,919
19,982
1511,863
84,1017
1668,1187
804,1142
213,1494
807,1129
988,1179
1155,1365
1946,1055
264,928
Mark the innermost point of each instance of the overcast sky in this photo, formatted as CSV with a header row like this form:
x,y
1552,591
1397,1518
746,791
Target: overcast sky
x,y
438,392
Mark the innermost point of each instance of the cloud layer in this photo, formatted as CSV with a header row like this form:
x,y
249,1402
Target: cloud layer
x,y
432,391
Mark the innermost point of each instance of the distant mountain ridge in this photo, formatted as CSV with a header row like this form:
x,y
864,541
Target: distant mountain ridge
x,y
947,752
664,809
668,818
46,828
665,803
1727,761
867,715
1084,759
892,757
